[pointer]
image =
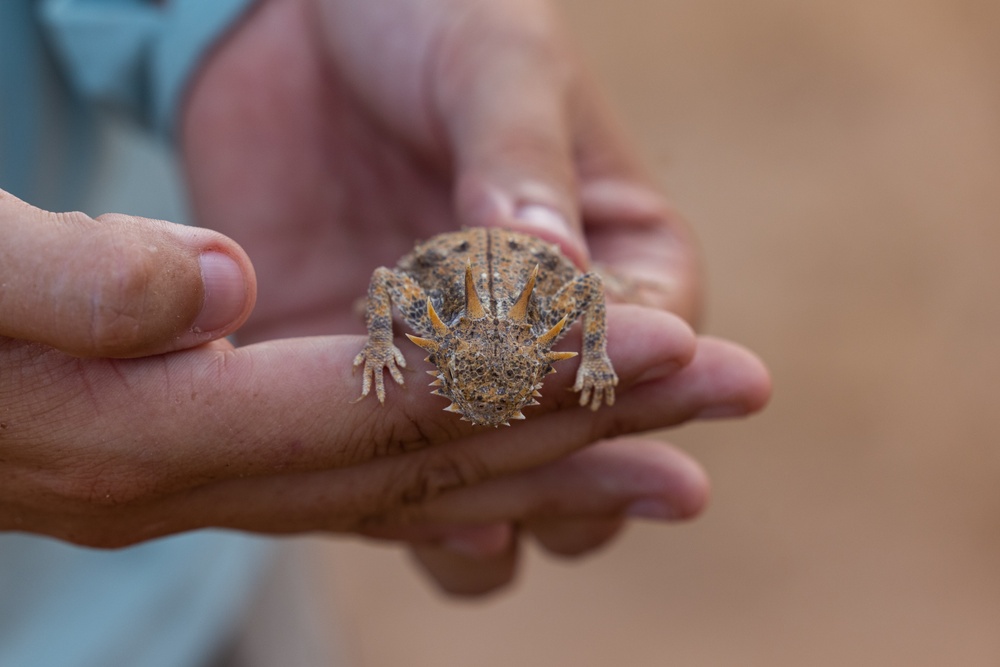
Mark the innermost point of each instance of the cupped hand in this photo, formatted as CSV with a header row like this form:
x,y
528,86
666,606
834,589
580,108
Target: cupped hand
x,y
327,136
142,439
267,437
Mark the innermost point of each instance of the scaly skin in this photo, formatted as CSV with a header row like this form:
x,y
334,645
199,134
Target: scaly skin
x,y
488,305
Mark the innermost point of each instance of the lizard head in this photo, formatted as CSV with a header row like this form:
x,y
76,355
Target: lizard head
x,y
490,368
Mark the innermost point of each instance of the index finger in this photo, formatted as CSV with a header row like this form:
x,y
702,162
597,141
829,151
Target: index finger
x,y
164,424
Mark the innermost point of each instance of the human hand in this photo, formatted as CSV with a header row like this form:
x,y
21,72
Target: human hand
x,y
328,137
110,451
363,127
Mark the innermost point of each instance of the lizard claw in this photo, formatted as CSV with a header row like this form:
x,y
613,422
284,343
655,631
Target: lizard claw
x,y
375,358
596,382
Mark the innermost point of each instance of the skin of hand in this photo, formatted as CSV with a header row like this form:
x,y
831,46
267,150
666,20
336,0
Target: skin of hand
x,y
125,414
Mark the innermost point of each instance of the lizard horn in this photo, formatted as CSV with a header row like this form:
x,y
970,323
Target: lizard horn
x,y
549,336
473,306
440,328
519,310
426,343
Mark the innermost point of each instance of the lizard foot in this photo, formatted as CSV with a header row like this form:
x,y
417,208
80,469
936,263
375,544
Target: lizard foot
x,y
596,382
375,357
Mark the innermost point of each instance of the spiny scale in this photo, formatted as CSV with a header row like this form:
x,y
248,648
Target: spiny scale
x,y
487,305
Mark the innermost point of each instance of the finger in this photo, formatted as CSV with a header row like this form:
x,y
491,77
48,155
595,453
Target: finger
x,y
502,94
630,226
117,286
635,477
301,393
153,428
222,436
576,536
469,574
571,507
398,490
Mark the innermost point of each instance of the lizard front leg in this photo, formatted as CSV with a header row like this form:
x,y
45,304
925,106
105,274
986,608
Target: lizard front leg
x,y
386,287
596,378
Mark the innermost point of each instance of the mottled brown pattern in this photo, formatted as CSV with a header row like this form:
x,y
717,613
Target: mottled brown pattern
x,y
492,344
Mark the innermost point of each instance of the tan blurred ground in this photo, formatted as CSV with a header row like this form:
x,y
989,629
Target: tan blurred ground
x,y
840,160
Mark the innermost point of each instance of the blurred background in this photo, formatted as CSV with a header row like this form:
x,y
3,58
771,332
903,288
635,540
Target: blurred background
x,y
841,162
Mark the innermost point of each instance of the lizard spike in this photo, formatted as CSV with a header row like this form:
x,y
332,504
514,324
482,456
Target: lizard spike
x,y
517,415
473,306
436,383
426,343
531,403
536,394
549,336
434,373
519,310
440,328
452,408
504,423
438,392
559,356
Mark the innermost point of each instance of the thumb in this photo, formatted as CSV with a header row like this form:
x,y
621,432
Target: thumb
x,y
117,286
502,95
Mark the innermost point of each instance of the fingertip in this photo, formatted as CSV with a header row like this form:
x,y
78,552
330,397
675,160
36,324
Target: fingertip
x,y
229,295
484,541
731,380
467,576
648,344
759,382
548,223
530,207
119,286
573,537
690,489
658,482
212,280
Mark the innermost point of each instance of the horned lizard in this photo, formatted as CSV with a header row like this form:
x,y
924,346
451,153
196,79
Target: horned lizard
x,y
487,305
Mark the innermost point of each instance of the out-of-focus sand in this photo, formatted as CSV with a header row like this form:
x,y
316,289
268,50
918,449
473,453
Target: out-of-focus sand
x,y
841,162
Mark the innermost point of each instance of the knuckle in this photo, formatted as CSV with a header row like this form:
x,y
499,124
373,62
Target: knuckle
x,y
436,473
123,301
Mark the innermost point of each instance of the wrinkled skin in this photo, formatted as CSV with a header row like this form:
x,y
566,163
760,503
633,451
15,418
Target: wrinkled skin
x,y
137,419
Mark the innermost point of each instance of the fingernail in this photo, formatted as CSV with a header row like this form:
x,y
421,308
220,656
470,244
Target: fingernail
x,y
651,508
225,292
543,218
547,223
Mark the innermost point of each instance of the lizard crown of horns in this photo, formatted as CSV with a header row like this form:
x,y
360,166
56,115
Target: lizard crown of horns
x,y
474,310
494,394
